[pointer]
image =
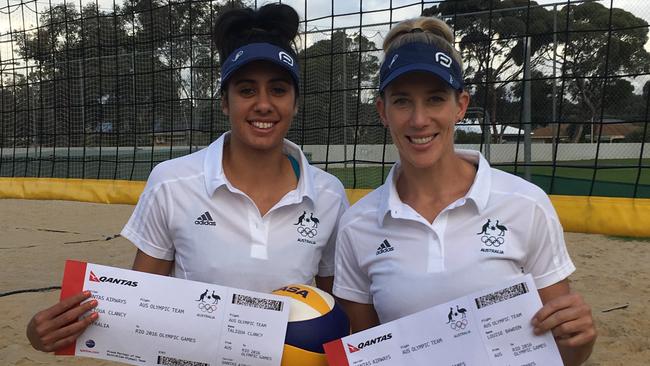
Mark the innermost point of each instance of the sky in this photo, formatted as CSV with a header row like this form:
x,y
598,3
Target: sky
x,y
375,12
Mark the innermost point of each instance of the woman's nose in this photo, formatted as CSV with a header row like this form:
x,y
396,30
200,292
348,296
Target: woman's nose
x,y
263,102
419,117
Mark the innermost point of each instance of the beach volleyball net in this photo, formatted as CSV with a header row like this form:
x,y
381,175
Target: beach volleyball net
x,y
107,90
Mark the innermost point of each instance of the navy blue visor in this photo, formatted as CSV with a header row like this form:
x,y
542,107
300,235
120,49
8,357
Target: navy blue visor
x,y
259,52
417,56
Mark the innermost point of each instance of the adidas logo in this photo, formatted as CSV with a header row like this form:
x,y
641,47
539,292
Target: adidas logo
x,y
385,247
205,219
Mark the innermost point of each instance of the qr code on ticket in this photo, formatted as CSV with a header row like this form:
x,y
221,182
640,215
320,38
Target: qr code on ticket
x,y
501,295
256,302
171,361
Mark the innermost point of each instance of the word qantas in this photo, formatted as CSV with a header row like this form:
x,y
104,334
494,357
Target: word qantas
x,y
118,281
369,342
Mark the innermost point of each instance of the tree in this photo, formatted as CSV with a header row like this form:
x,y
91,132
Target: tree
x,y
619,94
334,72
142,68
180,35
593,54
465,137
72,52
16,119
492,43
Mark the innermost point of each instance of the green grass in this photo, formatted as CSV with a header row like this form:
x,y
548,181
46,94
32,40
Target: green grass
x,y
607,170
612,182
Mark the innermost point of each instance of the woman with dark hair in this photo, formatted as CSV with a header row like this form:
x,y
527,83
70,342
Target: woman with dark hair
x,y
248,211
445,224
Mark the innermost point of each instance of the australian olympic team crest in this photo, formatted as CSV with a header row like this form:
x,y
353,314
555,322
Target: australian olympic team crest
x,y
307,227
493,236
457,320
208,302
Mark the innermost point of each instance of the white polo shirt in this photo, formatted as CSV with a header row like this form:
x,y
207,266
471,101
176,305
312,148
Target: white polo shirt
x,y
390,256
191,214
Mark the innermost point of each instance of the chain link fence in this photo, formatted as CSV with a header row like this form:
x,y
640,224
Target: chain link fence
x,y
106,90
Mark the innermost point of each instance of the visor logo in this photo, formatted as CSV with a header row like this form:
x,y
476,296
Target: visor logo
x,y
443,59
284,57
237,56
393,61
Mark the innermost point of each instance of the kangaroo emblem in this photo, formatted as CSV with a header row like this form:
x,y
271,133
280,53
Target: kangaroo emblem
x,y
485,227
203,296
302,217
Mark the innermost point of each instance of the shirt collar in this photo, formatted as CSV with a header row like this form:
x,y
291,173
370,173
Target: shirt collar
x,y
390,201
478,193
215,177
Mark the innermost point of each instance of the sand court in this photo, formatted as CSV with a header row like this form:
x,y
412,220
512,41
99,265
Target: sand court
x,y
36,237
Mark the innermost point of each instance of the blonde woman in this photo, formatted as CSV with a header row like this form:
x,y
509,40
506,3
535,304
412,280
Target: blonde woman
x,y
444,223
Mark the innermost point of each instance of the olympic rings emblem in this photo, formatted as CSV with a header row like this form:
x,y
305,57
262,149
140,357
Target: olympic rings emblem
x,y
492,241
307,231
459,325
208,308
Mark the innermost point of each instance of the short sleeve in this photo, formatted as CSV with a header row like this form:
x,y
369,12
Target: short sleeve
x,y
326,264
351,282
548,259
148,226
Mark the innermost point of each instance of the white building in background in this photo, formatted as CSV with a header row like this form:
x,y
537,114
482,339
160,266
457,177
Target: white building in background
x,y
473,125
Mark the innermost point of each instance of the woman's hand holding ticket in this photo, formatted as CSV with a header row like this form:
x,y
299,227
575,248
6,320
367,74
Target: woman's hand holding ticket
x,y
58,326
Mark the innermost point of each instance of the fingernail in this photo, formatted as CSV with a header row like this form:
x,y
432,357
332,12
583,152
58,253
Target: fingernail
x,y
87,293
94,316
93,303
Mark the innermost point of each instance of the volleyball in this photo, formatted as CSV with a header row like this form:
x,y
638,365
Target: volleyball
x,y
314,318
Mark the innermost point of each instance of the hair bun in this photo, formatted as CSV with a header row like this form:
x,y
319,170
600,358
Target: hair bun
x,y
271,23
280,19
442,32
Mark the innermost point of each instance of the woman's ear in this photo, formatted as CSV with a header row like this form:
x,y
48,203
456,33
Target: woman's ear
x,y
463,103
381,110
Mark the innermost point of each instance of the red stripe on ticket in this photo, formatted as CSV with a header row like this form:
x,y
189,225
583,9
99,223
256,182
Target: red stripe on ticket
x,y
335,353
73,282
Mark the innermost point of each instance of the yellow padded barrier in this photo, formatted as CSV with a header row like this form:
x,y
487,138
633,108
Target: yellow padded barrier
x,y
597,215
84,190
604,215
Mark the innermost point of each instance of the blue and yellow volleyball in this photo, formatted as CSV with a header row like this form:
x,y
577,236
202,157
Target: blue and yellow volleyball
x,y
314,318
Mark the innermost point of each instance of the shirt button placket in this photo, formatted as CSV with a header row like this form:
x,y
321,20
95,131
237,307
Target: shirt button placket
x,y
436,262
259,237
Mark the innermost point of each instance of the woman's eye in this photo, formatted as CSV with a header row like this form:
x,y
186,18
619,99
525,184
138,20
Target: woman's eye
x,y
247,91
279,90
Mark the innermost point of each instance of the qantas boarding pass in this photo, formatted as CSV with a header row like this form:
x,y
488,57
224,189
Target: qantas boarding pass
x,y
487,328
147,319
